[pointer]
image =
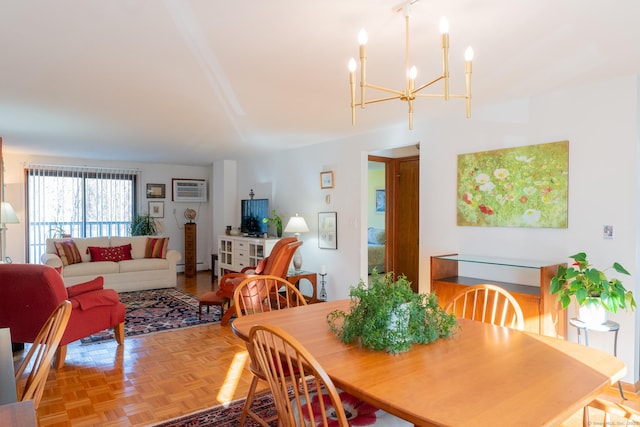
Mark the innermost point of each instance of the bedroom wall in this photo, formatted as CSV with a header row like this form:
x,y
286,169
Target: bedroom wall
x,y
375,182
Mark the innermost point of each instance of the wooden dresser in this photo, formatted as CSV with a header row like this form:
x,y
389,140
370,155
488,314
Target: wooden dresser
x,y
190,249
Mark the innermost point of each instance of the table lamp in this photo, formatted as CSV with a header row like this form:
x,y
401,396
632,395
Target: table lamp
x,y
297,225
7,216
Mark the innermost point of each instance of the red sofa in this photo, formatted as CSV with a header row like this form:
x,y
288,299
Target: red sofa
x,y
29,293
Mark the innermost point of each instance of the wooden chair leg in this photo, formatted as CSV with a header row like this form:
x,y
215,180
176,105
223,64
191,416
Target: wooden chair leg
x,y
246,410
61,354
118,331
228,315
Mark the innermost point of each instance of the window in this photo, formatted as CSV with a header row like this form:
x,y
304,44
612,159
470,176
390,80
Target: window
x,y
77,202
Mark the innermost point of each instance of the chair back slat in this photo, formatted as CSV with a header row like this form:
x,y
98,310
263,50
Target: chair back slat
x,y
489,304
279,354
39,358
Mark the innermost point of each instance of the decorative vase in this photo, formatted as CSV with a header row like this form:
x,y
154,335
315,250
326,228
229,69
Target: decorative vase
x,y
398,323
592,314
279,230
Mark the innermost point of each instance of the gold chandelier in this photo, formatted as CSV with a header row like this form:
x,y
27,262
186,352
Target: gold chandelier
x,y
410,92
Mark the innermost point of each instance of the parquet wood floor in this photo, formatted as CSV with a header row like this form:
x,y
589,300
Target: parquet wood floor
x,y
151,378
160,376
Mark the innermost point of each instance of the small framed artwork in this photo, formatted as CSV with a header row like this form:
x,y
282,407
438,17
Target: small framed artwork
x,y
156,209
326,179
155,191
381,204
328,230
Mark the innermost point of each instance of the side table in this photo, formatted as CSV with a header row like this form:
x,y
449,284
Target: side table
x,y
608,326
294,278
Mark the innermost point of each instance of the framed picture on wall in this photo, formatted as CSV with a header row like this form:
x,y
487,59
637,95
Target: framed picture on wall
x,y
326,179
328,230
381,203
155,191
156,209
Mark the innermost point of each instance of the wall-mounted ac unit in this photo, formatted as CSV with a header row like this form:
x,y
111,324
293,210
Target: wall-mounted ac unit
x,y
189,190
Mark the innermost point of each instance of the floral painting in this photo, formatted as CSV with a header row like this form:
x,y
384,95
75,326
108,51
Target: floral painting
x,y
515,187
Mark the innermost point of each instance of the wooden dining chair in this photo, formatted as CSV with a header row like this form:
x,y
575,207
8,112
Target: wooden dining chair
x,y
488,304
40,356
312,399
257,295
613,414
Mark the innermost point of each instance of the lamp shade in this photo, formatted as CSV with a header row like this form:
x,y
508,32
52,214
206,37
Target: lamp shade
x,y
8,215
297,225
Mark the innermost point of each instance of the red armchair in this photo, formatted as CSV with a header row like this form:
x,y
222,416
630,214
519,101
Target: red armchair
x,y
276,264
29,293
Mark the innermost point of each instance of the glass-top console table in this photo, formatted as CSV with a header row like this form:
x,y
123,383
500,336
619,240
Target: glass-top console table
x,y
542,311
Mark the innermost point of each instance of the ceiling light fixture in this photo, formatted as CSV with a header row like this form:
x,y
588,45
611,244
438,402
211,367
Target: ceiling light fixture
x,y
410,92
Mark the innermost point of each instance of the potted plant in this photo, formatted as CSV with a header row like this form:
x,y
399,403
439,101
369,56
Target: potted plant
x,y
388,315
593,290
143,225
276,220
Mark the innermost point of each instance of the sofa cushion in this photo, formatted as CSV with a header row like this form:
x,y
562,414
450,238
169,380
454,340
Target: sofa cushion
x,y
91,269
68,252
117,253
81,288
144,264
156,247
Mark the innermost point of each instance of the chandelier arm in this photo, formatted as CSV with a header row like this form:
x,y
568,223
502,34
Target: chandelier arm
x,y
384,89
373,101
428,84
437,95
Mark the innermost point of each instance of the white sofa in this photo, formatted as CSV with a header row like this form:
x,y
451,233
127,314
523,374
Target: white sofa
x,y
130,275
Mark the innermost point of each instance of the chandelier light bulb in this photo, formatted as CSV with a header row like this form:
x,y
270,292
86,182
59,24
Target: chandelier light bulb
x,y
444,25
352,65
363,37
468,54
413,73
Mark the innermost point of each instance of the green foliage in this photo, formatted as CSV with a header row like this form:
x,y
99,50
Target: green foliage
x,y
275,220
143,225
376,307
591,286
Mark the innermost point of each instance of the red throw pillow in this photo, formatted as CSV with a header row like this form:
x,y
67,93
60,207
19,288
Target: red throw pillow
x,y
81,288
156,247
68,252
116,253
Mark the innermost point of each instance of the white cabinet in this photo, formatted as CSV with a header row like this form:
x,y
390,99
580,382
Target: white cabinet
x,y
236,253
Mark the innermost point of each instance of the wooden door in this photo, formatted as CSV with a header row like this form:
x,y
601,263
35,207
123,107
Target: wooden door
x,y
406,196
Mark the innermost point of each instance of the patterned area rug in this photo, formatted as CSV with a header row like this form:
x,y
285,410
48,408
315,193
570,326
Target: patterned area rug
x,y
226,415
157,310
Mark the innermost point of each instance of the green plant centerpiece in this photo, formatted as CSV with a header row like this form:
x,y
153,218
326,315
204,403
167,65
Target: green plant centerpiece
x,y
388,315
591,286
143,225
275,220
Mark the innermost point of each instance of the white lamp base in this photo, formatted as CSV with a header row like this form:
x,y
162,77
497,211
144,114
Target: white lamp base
x,y
297,261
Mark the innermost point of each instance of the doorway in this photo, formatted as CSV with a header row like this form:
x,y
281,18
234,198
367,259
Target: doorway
x,y
394,202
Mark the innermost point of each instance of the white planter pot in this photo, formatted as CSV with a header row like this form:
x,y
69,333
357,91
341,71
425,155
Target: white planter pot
x,y
592,314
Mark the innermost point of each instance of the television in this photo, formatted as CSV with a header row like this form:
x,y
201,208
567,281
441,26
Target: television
x,y
253,211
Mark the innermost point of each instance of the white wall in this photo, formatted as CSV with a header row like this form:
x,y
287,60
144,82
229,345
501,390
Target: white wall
x,y
171,225
601,123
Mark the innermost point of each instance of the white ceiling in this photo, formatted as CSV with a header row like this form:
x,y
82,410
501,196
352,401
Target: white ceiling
x,y
198,80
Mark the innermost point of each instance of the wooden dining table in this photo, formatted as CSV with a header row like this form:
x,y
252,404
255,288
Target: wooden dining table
x,y
484,375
